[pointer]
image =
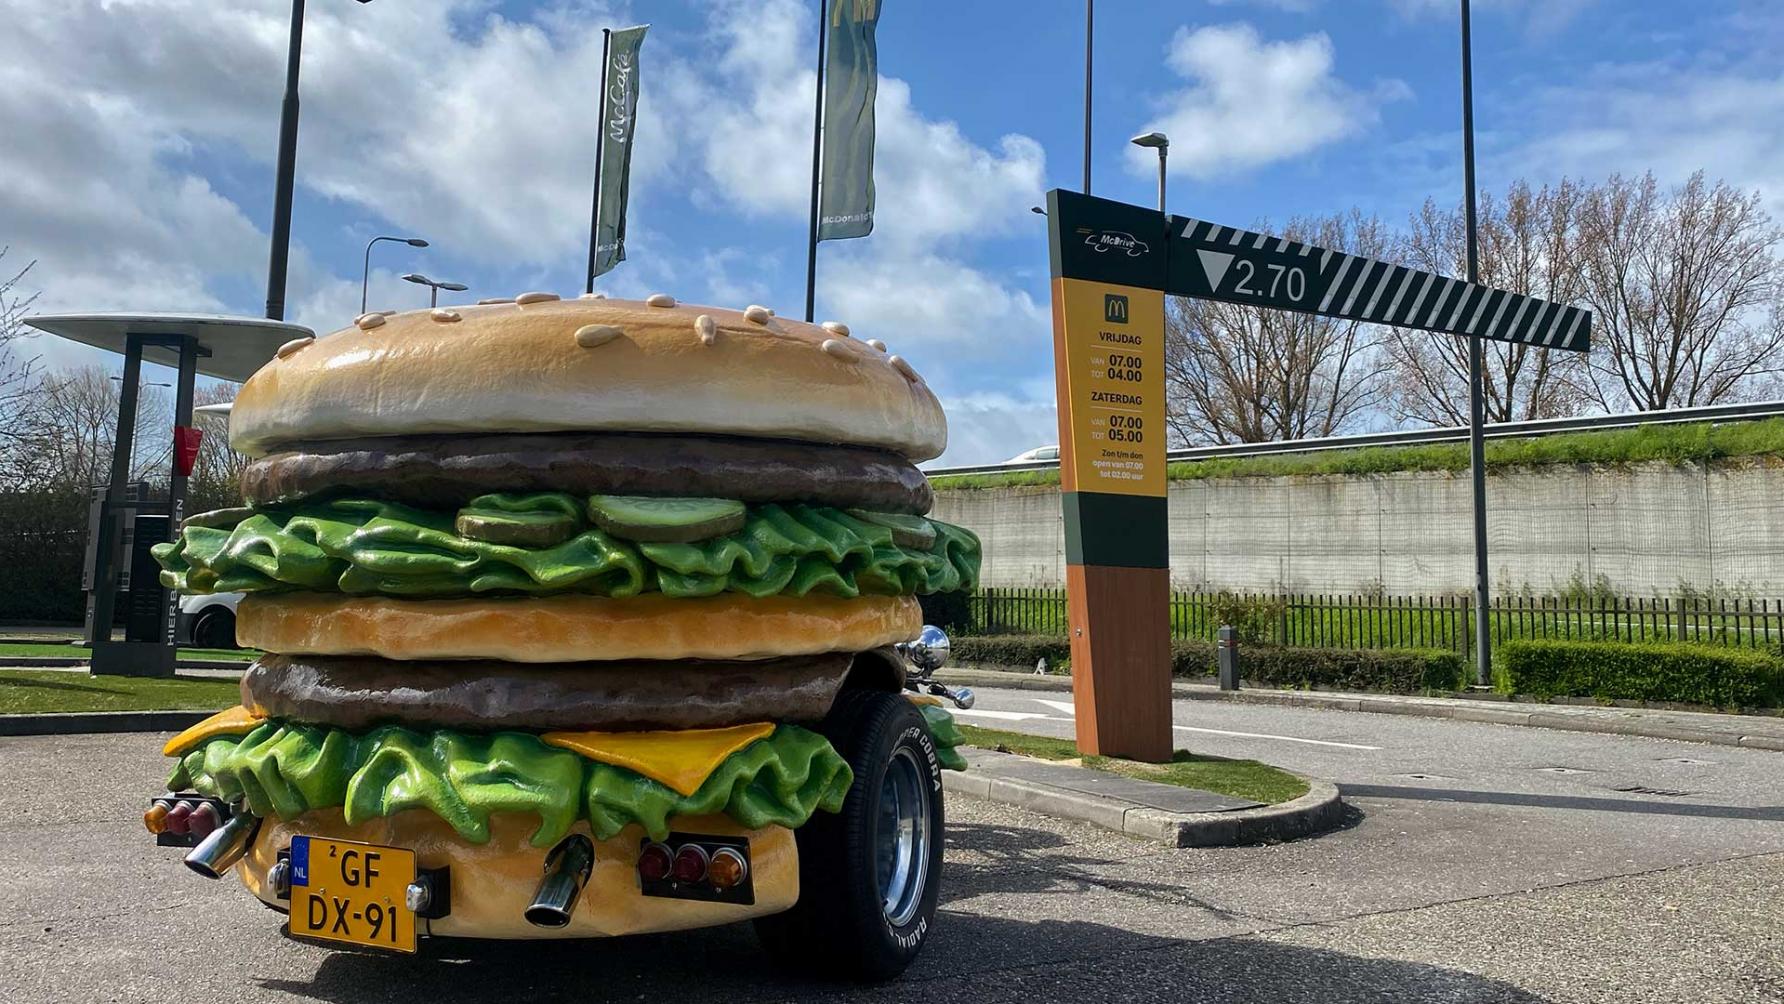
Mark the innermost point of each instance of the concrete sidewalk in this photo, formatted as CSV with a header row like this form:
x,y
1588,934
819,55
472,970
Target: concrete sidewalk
x,y
1751,731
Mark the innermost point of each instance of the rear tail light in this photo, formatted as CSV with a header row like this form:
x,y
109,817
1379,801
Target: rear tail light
x,y
156,818
696,866
727,869
655,862
690,863
203,820
179,818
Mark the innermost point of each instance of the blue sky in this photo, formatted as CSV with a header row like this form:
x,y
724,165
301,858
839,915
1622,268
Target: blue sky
x,y
149,126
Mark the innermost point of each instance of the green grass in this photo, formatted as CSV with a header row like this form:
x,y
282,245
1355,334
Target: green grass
x,y
26,691
1239,778
55,650
1696,442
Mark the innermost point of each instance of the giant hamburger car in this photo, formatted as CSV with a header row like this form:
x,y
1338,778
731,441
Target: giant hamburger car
x,y
578,619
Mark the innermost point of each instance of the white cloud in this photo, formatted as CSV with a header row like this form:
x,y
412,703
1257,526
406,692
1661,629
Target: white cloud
x,y
1253,102
990,427
473,130
1673,121
1293,6
1540,16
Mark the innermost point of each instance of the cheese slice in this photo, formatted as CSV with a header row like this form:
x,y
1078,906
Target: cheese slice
x,y
929,699
236,721
681,759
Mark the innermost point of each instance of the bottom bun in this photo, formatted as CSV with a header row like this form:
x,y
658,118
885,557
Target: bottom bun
x,y
573,628
492,883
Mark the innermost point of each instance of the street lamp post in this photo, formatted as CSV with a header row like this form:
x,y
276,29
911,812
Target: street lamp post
x,y
287,170
1162,143
434,287
366,277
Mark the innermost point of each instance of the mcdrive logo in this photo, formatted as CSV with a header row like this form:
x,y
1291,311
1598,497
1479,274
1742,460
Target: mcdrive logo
x,y
1114,308
1116,240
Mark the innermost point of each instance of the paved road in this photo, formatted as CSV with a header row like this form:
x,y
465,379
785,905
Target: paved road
x,y
1485,880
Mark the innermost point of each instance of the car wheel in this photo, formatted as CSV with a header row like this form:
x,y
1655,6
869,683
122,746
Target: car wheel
x,y
215,629
869,876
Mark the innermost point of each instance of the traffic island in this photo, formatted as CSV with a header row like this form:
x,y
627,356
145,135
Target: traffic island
x,y
1255,803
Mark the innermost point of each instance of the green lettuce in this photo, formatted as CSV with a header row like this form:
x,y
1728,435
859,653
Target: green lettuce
x,y
365,546
947,736
285,769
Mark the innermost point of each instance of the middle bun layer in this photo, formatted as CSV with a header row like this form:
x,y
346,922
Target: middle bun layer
x,y
573,628
357,693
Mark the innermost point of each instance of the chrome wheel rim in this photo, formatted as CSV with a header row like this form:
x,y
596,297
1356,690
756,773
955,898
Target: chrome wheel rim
x,y
901,852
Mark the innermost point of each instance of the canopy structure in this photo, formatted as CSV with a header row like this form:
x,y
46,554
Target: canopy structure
x,y
230,348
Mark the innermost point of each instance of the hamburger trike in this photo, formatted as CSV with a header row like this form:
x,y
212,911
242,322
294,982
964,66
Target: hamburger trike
x,y
581,618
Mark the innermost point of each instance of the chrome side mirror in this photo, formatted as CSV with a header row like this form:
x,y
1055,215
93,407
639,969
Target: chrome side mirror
x,y
931,649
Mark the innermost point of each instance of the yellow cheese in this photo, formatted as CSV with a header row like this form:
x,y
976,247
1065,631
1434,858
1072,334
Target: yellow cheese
x,y
680,759
234,721
930,699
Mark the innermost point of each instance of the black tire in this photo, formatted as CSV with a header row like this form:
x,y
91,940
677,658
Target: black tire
x,y
841,926
215,628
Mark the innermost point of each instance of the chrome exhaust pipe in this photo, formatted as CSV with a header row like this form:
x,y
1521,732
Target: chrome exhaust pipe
x,y
226,844
567,869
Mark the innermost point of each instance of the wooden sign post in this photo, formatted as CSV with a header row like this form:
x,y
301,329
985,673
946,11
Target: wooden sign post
x,y
1108,268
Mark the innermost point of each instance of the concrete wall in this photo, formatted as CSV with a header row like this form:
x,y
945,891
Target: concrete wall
x,y
1646,529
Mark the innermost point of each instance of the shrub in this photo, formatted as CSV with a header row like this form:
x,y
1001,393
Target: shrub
x,y
1400,671
1653,671
1016,650
1392,671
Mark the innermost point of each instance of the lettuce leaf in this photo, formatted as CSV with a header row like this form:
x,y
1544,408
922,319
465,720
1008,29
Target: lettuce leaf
x,y
366,546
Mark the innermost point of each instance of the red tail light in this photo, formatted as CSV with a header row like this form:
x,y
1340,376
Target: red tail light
x,y
179,818
690,863
203,820
655,863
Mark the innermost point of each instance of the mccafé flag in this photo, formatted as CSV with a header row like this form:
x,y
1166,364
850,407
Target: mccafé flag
x,y
851,71
619,113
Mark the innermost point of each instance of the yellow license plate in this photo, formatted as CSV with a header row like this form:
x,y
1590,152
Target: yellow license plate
x,y
352,893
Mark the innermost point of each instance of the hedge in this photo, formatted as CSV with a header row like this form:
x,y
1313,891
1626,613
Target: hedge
x,y
1400,671
1654,671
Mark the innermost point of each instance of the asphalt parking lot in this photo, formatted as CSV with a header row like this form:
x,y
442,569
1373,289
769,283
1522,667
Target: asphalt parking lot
x,y
1429,897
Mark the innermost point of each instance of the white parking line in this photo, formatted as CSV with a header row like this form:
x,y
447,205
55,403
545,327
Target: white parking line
x,y
1067,708
1006,716
1286,739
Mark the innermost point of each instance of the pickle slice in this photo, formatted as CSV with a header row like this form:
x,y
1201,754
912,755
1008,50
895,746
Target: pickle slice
x,y
913,532
538,528
667,521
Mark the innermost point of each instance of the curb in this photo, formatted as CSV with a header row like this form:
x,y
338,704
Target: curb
x,y
1318,811
64,662
99,721
1556,718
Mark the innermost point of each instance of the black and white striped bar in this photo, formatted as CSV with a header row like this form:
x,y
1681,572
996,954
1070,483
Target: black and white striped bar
x,y
1243,266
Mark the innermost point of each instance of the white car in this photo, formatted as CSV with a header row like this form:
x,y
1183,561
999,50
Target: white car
x,y
208,620
1035,456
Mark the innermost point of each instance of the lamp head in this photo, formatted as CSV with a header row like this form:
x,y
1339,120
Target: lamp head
x,y
418,279
414,242
455,287
1154,140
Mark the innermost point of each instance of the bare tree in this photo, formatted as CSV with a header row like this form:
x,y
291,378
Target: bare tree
x,y
1529,243
16,368
1685,290
216,477
1242,374
68,427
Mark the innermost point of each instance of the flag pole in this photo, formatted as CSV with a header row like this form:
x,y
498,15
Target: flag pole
x,y
1477,476
1089,48
817,138
594,212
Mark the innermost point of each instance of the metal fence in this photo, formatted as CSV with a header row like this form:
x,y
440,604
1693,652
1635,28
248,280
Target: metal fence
x,y
1441,622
